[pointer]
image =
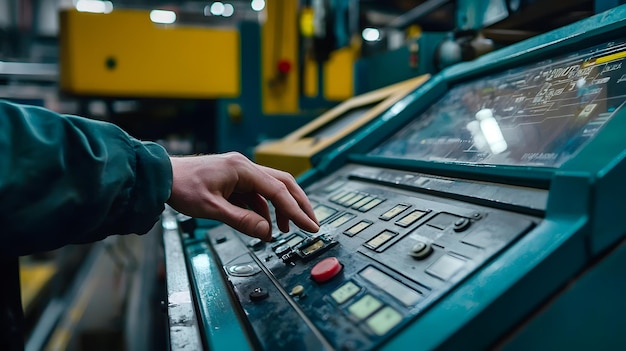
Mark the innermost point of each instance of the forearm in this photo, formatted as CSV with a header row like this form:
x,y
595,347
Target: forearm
x,y
66,180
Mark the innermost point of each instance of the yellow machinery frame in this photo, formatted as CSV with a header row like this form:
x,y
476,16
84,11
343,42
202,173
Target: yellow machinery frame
x,y
124,53
293,152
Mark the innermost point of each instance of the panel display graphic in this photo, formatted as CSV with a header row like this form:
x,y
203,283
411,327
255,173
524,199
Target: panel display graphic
x,y
536,115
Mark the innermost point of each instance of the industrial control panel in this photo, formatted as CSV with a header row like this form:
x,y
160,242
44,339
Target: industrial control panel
x,y
476,212
385,252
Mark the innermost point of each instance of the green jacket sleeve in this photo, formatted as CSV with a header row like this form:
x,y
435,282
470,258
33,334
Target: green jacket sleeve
x,y
69,180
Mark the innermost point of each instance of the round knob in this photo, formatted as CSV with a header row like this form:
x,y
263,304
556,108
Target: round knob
x,y
258,294
420,250
461,224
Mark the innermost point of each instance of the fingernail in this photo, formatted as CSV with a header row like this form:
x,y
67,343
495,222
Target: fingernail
x,y
316,226
261,231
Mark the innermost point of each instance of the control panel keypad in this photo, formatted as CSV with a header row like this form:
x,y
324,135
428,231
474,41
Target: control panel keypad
x,y
382,256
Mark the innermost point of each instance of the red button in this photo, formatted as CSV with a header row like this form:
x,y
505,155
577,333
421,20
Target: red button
x,y
326,269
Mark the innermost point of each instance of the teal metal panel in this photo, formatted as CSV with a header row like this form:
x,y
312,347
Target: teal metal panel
x,y
219,321
534,268
587,314
478,14
491,302
544,260
609,212
540,278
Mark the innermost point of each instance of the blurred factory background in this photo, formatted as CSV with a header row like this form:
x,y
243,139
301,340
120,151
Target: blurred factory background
x,y
211,76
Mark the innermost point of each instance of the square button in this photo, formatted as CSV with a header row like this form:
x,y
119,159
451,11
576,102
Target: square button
x,y
294,241
365,306
357,228
368,206
337,222
391,286
334,186
380,239
363,201
346,197
384,320
445,267
442,220
394,211
353,200
410,218
323,212
345,292
338,196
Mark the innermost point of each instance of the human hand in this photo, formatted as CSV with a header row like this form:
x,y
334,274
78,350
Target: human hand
x,y
232,189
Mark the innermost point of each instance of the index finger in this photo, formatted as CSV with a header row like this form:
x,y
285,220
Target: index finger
x,y
286,195
296,191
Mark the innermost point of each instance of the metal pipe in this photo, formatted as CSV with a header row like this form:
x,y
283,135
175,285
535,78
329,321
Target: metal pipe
x,y
416,13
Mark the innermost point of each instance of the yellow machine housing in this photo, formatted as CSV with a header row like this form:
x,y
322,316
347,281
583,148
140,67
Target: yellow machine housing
x,y
293,153
124,53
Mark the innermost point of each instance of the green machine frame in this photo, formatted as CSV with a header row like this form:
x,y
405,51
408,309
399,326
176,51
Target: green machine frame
x,y
560,285
529,287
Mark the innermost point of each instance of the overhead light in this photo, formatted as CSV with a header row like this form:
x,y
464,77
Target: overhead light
x,y
258,5
371,34
163,16
94,6
229,10
217,8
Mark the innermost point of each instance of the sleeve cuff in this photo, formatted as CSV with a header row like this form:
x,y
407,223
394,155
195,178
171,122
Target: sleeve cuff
x,y
153,186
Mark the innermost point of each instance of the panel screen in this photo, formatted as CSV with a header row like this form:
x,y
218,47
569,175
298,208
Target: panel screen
x,y
535,115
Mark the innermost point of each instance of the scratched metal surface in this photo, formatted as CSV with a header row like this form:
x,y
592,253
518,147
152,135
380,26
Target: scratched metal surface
x,y
182,319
